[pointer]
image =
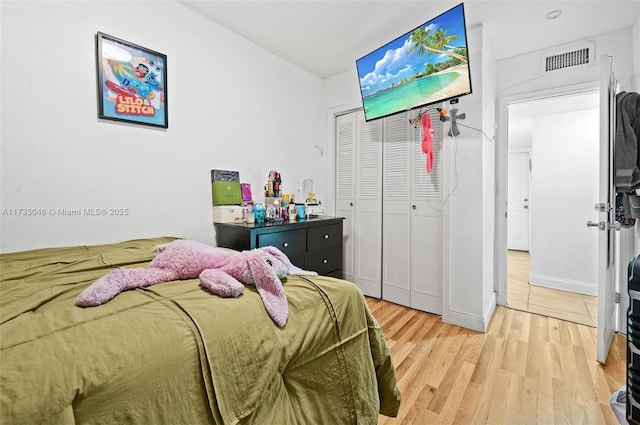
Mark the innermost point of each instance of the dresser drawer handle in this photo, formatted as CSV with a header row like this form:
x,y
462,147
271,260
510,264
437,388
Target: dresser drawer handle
x,y
286,244
325,261
326,236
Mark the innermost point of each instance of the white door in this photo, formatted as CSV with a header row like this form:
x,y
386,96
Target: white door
x,y
345,186
518,201
396,211
368,213
427,222
412,217
605,213
359,199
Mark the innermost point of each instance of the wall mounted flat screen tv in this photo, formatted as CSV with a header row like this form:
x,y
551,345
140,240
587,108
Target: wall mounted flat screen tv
x,y
427,65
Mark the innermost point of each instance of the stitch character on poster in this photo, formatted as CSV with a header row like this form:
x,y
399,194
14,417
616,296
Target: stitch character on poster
x,y
132,82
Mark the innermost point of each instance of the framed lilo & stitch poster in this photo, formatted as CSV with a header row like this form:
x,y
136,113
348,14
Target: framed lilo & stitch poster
x,y
132,82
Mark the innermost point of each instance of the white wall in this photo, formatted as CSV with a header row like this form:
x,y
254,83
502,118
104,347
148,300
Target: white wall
x,y
635,46
628,239
520,133
469,297
522,74
564,188
565,149
636,87
232,105
488,142
520,78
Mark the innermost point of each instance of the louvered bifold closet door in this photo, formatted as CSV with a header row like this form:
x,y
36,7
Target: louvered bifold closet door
x,y
427,222
412,215
396,210
346,186
359,199
368,207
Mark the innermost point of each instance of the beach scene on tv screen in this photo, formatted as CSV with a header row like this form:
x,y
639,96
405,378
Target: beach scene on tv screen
x,y
426,65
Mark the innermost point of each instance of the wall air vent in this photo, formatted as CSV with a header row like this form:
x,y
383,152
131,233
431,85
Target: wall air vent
x,y
577,57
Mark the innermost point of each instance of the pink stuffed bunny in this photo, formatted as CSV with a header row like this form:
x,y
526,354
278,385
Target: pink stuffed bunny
x,y
220,271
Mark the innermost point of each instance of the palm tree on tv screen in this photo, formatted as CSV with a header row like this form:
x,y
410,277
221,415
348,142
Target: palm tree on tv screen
x,y
438,42
420,39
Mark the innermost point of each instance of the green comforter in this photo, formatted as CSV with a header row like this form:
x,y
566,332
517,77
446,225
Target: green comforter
x,y
176,354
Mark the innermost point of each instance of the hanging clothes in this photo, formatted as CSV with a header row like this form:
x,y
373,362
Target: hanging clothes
x,y
627,154
427,140
623,211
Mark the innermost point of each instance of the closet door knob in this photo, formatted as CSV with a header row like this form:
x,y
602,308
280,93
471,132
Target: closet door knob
x,y
326,236
413,207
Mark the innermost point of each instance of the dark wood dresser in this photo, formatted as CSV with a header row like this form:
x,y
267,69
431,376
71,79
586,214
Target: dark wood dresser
x,y
311,244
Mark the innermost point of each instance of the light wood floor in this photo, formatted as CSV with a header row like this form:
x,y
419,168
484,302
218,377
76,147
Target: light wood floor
x,y
526,369
548,302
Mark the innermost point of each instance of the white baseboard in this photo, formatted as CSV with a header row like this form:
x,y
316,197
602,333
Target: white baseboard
x,y
552,282
472,321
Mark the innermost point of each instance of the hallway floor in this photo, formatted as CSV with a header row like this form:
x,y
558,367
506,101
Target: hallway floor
x,y
563,305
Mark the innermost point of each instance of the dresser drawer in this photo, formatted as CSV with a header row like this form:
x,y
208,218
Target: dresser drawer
x,y
323,237
292,242
311,244
324,261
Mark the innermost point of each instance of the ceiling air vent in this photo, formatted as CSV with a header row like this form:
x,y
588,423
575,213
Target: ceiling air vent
x,y
568,59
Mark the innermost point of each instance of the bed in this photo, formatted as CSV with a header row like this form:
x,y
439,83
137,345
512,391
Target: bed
x,y
174,353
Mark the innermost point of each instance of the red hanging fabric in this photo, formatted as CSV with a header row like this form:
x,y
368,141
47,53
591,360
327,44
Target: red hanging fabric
x,y
427,140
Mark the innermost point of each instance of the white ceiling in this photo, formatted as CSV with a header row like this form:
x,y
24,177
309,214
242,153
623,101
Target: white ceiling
x,y
325,37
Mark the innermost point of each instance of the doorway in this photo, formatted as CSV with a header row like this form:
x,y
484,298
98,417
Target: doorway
x,y
552,182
